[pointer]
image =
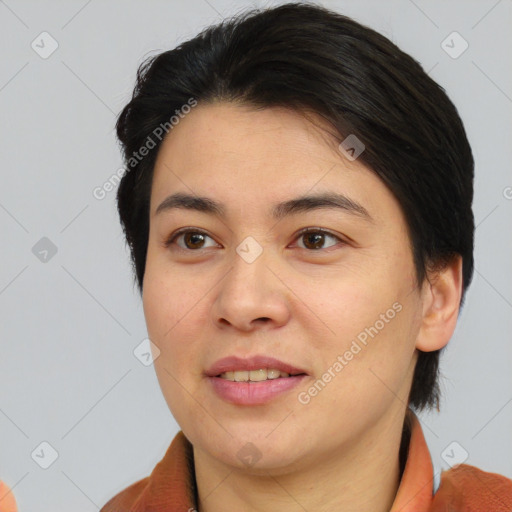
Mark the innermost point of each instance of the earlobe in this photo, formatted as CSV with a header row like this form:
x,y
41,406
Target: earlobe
x,y
441,293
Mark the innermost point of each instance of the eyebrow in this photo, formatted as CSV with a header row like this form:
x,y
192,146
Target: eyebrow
x,y
302,204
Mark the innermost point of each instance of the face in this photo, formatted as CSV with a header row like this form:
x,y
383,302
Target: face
x,y
338,304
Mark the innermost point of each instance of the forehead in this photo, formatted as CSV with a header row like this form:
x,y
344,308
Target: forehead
x,y
246,157
224,132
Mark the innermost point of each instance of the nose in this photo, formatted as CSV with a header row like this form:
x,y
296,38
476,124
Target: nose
x,y
251,296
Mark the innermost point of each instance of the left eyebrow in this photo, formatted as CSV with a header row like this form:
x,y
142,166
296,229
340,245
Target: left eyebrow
x,y
328,200
302,204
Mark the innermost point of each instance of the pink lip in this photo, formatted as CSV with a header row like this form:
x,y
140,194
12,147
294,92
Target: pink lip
x,y
232,363
252,393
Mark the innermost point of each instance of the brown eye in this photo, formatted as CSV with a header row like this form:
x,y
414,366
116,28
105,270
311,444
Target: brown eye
x,y
314,239
192,240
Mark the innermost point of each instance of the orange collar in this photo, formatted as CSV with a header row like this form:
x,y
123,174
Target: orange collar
x,y
172,487
417,484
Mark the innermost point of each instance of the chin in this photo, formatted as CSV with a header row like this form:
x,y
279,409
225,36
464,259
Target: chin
x,y
257,450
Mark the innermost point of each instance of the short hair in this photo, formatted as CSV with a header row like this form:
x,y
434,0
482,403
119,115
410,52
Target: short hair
x,y
310,59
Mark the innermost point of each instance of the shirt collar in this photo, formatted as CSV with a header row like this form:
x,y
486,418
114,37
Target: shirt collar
x,y
417,483
172,485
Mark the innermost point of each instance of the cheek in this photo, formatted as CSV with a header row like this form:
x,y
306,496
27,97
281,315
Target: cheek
x,y
373,320
174,313
162,306
169,316
353,303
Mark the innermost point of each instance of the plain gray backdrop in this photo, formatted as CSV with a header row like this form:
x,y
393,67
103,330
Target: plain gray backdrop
x,y
73,395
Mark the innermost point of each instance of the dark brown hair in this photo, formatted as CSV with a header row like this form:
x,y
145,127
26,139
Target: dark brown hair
x,y
308,58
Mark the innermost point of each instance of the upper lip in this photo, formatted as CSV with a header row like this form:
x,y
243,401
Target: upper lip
x,y
257,362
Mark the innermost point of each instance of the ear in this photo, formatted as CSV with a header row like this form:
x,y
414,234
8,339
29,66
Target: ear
x,y
441,294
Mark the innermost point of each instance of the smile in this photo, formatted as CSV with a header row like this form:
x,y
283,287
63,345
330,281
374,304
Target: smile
x,y
254,375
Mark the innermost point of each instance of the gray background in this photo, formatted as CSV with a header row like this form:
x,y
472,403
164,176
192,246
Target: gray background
x,y
69,325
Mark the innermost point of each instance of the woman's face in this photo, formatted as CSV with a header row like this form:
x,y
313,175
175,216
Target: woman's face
x,y
341,306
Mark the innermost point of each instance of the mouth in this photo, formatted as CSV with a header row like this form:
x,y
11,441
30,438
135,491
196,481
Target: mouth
x,y
256,375
254,380
252,369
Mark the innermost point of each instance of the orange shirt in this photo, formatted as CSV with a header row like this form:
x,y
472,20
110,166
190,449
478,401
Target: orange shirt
x,y
463,488
7,501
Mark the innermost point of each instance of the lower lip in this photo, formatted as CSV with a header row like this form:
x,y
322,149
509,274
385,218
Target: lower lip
x,y
253,393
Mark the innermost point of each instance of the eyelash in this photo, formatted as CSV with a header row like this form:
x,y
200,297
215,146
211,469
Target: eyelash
x,y
171,240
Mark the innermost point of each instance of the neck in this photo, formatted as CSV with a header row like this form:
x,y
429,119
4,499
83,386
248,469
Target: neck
x,y
363,476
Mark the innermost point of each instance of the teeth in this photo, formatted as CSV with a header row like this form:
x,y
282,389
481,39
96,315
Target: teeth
x,y
254,375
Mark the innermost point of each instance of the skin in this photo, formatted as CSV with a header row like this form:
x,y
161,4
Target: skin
x,y
202,302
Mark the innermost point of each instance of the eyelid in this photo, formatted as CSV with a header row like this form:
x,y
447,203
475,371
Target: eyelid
x,y
169,241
